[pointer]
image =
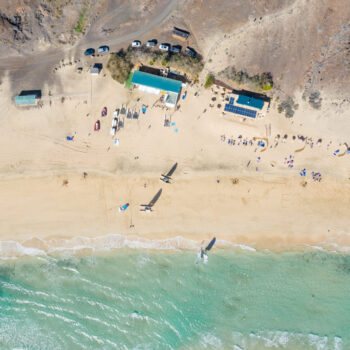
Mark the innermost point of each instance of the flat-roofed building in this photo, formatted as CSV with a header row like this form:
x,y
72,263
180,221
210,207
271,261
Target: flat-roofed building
x,y
251,102
246,104
28,98
180,34
96,69
154,84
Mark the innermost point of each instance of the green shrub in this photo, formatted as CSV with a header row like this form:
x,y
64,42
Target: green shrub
x,y
120,66
209,81
262,81
121,63
79,28
315,100
288,106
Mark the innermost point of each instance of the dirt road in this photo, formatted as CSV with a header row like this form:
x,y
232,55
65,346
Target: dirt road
x,y
43,62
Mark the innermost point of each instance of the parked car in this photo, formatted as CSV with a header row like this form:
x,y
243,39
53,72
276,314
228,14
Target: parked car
x,y
104,112
136,43
151,43
103,48
175,49
97,126
164,47
113,130
191,52
89,52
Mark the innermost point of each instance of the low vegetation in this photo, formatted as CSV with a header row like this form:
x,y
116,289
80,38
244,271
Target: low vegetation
x,y
209,81
262,81
80,26
288,106
121,63
315,100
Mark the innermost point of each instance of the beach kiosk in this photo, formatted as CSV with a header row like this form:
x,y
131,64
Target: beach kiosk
x,y
154,84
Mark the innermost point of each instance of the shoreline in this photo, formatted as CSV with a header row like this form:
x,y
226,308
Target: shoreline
x,y
84,246
257,213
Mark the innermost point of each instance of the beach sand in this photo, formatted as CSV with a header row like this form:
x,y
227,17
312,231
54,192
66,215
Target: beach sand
x,y
218,189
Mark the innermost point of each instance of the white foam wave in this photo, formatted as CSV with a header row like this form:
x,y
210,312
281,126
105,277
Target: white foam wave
x,y
337,247
211,340
71,269
285,340
12,249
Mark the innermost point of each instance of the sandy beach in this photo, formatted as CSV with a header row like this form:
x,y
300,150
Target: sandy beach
x,y
238,192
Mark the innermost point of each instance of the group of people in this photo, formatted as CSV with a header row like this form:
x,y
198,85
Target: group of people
x,y
316,176
289,161
242,141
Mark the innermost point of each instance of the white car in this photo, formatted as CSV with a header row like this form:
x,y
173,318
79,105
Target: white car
x,y
164,47
136,43
103,49
114,122
113,131
151,43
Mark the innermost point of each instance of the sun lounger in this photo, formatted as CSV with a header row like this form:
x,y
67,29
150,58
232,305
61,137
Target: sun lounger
x,y
135,115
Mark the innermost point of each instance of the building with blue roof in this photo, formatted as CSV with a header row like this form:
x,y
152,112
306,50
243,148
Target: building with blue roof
x,y
154,84
26,100
251,102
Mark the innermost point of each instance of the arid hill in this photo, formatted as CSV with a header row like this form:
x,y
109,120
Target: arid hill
x,y
304,44
32,25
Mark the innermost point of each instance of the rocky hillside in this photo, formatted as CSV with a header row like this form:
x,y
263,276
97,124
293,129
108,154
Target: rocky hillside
x,y
32,25
36,24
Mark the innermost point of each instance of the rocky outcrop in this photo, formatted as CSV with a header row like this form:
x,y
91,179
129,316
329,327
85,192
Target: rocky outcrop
x,y
26,26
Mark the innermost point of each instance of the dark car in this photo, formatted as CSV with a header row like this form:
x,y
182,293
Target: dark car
x,y
191,52
175,49
89,52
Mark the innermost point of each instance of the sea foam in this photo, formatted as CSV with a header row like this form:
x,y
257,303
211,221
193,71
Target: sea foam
x,y
12,249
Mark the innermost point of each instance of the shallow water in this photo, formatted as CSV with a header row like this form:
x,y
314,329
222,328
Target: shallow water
x,y
144,299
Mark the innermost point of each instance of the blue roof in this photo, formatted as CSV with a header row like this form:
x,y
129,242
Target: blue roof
x,y
155,81
250,101
25,100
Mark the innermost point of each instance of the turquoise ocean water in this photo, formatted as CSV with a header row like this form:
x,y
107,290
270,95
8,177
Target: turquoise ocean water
x,y
146,299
